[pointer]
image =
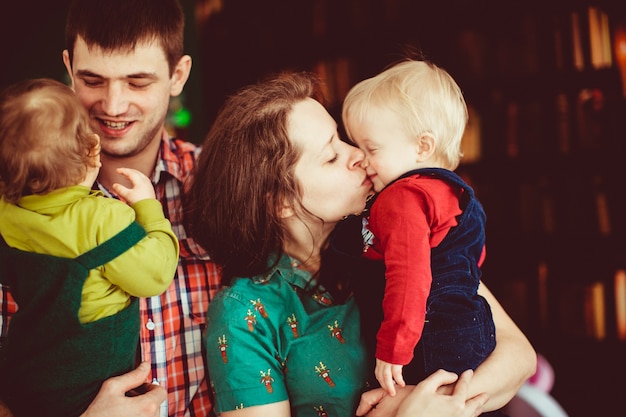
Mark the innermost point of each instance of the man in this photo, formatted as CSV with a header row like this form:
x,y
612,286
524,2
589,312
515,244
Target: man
x,y
125,60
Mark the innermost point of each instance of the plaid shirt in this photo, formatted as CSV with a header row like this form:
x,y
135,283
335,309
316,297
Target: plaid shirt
x,y
172,323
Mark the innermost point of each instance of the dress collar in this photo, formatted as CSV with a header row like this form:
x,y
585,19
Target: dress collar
x,y
302,281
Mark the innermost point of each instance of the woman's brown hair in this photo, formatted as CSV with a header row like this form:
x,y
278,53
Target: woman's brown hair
x,y
245,173
45,139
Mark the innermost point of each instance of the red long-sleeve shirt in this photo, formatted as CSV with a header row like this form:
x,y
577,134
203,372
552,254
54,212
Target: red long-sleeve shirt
x,y
408,218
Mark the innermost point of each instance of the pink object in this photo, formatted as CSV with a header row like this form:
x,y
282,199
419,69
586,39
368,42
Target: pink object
x,y
543,378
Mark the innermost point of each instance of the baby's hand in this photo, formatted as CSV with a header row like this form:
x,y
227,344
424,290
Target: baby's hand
x,y
141,186
386,374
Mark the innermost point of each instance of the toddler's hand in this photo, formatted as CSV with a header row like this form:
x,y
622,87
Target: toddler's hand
x,y
141,188
388,375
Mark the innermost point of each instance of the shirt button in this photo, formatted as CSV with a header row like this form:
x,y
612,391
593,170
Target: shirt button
x,y
150,325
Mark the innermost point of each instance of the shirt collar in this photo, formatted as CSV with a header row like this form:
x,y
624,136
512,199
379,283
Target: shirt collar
x,y
287,267
301,280
167,160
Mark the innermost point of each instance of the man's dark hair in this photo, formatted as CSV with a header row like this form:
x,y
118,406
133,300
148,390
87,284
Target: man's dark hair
x,y
122,24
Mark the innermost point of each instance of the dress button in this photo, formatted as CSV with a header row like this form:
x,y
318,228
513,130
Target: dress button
x,y
150,325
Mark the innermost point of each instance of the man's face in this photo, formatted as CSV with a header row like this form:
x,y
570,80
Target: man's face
x,y
125,92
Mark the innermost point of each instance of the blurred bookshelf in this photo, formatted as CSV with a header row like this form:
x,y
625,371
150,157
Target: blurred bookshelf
x,y
545,82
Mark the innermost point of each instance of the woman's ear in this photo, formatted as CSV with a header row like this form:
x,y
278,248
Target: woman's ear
x,y
286,211
425,146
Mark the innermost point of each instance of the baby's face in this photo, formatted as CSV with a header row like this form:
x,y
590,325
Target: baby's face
x,y
389,150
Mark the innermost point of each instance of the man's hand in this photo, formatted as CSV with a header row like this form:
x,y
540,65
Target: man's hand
x,y
113,401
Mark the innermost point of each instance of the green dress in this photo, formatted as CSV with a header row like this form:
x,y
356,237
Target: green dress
x,y
269,340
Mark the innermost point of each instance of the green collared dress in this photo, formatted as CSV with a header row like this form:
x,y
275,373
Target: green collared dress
x,y
269,340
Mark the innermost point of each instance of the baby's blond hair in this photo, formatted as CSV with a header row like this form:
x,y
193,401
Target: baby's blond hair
x,y
45,139
425,96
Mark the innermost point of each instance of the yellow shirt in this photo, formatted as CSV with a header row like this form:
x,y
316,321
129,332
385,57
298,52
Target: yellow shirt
x,y
70,221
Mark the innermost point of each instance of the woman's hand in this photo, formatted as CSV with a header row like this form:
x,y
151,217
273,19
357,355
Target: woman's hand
x,y
427,399
511,363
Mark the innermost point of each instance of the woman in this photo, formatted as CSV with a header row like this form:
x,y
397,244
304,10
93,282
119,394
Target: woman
x,y
272,182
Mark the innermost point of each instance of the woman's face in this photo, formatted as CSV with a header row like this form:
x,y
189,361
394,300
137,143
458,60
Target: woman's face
x,y
329,172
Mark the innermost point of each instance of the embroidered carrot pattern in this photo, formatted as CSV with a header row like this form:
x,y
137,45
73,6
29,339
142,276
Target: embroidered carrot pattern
x,y
293,324
324,373
320,411
336,332
322,299
223,345
266,379
250,318
260,307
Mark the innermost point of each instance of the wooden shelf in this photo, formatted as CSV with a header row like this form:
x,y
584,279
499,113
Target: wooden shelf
x,y
551,144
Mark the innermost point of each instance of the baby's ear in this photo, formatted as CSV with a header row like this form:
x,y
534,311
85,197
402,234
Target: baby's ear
x,y
425,146
96,151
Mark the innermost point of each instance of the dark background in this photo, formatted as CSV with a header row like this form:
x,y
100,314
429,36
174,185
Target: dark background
x,y
236,42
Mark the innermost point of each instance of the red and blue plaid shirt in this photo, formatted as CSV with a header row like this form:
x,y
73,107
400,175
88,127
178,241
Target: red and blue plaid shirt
x,y
172,323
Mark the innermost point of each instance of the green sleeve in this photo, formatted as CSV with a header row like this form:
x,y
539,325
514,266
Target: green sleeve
x,y
148,268
242,354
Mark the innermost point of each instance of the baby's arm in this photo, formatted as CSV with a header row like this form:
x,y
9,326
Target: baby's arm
x,y
386,373
400,229
154,259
